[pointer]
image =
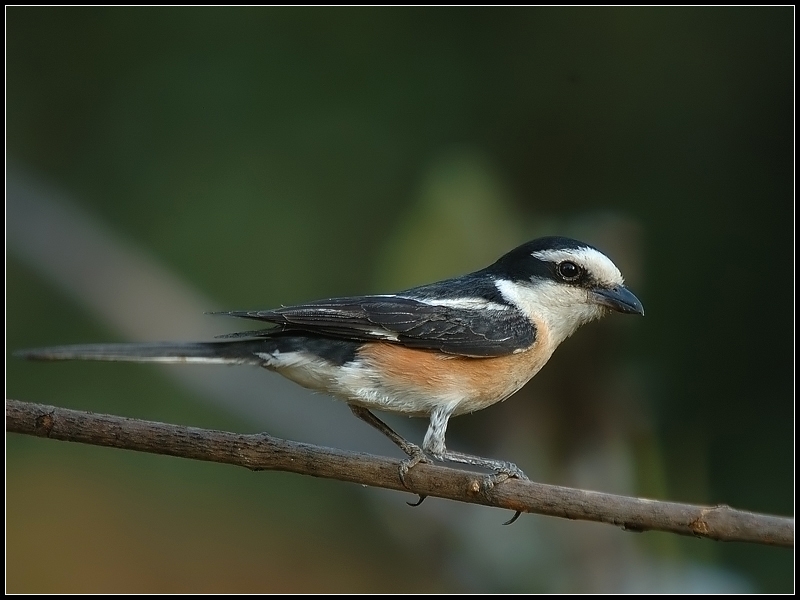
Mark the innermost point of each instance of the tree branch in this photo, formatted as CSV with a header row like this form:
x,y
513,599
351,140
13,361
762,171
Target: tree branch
x,y
263,452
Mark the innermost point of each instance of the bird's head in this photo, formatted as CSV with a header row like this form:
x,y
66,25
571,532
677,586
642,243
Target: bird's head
x,y
564,282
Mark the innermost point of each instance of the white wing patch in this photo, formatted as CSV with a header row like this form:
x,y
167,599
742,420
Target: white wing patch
x,y
384,334
462,303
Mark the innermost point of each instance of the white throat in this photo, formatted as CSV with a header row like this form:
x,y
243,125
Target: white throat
x,y
562,308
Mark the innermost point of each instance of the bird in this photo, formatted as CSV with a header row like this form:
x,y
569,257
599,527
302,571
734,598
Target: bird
x,y
437,350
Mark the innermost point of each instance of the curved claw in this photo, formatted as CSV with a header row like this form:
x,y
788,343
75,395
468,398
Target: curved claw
x,y
511,471
418,502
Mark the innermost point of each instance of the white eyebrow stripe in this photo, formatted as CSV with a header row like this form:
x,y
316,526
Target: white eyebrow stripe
x,y
593,260
573,254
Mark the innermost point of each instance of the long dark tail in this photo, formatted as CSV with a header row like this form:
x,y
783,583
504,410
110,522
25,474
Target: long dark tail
x,y
238,352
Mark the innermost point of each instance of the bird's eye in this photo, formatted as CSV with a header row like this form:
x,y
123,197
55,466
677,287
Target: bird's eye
x,y
569,270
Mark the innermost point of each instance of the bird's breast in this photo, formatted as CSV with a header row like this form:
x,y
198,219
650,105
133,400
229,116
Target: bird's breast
x,y
398,379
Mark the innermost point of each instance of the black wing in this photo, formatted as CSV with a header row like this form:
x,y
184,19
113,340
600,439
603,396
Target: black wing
x,y
396,319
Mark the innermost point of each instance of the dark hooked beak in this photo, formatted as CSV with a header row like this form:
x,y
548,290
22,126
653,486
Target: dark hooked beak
x,y
619,298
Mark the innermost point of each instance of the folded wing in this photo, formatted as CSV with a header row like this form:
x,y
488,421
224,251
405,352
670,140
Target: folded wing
x,y
405,321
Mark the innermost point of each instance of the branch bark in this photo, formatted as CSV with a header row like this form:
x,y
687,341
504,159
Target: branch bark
x,y
264,452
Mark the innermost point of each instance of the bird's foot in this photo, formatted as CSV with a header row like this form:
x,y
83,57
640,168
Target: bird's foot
x,y
504,471
415,456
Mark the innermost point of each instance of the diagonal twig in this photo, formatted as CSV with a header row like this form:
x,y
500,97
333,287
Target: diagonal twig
x,y
264,452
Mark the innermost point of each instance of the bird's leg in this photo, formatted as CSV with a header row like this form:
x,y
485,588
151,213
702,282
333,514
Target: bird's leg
x,y
414,452
434,445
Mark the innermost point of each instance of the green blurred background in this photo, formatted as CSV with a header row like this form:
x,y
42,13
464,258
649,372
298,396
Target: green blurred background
x,y
268,156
